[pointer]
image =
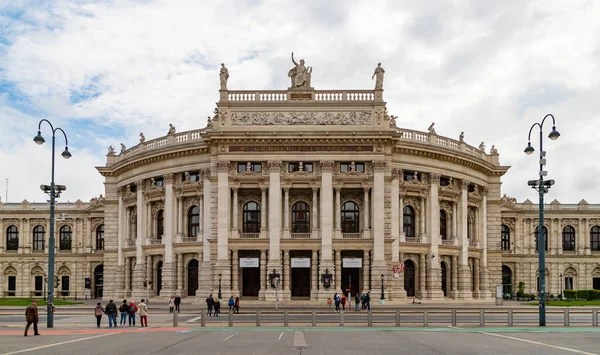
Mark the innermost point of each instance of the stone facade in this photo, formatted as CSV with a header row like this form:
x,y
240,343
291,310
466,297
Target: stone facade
x,y
310,185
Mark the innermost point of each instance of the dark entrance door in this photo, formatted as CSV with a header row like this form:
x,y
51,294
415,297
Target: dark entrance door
x,y
12,285
192,282
159,267
250,281
444,274
301,282
39,285
596,283
409,278
506,280
64,284
351,279
98,281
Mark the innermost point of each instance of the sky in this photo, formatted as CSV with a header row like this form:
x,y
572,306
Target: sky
x,y
104,71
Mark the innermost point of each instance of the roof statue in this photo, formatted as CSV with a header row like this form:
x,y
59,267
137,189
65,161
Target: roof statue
x,y
223,76
111,150
378,76
431,129
300,74
142,138
482,147
171,129
461,138
123,148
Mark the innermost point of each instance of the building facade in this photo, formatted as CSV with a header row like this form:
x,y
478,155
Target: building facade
x,y
319,187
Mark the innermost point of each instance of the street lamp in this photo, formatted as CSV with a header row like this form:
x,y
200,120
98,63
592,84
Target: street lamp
x,y
382,293
54,191
542,187
219,295
560,282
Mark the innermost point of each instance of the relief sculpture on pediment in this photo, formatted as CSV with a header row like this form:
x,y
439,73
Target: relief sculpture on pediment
x,y
302,118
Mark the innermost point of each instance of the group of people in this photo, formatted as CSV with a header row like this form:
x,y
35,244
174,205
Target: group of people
x,y
174,303
127,311
360,301
213,305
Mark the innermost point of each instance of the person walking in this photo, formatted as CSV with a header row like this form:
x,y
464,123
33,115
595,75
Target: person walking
x,y
31,316
217,306
124,309
368,301
209,304
177,302
111,312
343,302
231,303
143,308
132,310
98,312
356,302
236,307
171,303
336,300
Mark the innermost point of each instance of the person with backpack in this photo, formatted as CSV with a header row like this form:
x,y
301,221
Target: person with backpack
x,y
111,312
231,303
132,310
236,307
98,312
124,309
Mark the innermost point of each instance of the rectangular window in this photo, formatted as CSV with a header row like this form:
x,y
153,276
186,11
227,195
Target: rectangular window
x,y
64,284
596,283
409,176
568,283
158,182
300,166
12,285
352,167
39,285
192,176
249,167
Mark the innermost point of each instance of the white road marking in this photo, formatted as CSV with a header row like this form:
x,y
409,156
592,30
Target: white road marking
x,y
299,341
542,344
193,320
57,344
280,335
229,337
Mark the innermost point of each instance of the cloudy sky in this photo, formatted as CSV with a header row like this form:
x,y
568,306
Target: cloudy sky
x,y
105,71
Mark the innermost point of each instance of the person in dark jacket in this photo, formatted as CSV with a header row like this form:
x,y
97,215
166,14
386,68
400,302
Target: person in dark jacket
x,y
111,312
177,303
236,307
124,309
31,316
209,304
217,305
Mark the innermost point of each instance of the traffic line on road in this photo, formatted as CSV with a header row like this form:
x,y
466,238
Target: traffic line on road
x,y
56,344
194,320
542,344
229,337
280,335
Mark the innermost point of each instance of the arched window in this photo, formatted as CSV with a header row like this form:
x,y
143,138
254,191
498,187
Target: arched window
x,y
39,238
409,221
300,217
193,222
545,234
443,225
505,237
160,224
568,238
65,236
100,237
350,218
251,218
12,238
595,238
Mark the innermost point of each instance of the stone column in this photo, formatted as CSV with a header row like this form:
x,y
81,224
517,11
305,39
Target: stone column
x,y
338,204
366,287
201,220
314,284
264,282
434,275
121,243
395,217
337,281
379,265
274,222
422,272
222,265
2,241
483,270
205,274
139,268
315,221
366,207
127,276
234,219
586,247
263,212
402,235
149,225
422,231
180,219
326,224
455,223
477,273
168,271
464,278
149,273
235,284
180,269
286,275
286,213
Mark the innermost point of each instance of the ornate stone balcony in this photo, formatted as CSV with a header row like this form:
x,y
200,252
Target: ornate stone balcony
x,y
189,239
300,235
249,235
352,235
413,239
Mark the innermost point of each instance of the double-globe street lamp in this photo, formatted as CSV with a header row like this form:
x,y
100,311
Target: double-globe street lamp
x,y
54,191
542,187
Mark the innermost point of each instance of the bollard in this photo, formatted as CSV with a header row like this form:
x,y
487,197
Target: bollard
x,y
341,318
594,317
454,317
481,318
426,318
175,319
566,317
230,318
314,318
510,318
285,318
397,318
258,318
369,319
202,320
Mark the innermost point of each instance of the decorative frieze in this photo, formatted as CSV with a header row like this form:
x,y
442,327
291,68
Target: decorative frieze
x,y
302,118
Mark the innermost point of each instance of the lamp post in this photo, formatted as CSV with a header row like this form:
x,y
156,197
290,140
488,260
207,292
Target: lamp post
x,y
382,299
560,282
542,187
219,295
54,191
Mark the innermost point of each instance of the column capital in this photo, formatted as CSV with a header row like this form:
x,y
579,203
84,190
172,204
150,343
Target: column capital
x,y
435,178
315,189
286,189
379,166
222,166
263,189
274,166
366,189
327,166
338,189
465,184
205,173
168,178
235,189
397,173
484,190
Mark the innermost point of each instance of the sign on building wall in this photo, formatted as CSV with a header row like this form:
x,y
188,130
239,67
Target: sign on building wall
x,y
352,262
301,262
248,262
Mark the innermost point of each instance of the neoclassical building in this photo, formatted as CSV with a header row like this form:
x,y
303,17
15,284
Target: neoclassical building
x,y
318,186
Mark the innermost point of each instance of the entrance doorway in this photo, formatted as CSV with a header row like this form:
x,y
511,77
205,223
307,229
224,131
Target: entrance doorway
x,y
444,275
39,285
351,280
12,285
301,282
250,281
409,278
506,280
98,281
192,281
159,268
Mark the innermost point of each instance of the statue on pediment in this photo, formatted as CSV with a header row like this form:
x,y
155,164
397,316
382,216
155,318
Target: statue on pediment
x,y
223,76
431,129
111,150
300,74
142,138
171,129
378,76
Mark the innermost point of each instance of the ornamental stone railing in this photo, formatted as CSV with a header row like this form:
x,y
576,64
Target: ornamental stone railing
x,y
352,235
444,142
249,235
308,95
300,235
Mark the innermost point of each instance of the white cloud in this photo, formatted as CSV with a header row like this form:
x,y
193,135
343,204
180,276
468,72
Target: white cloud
x,y
106,71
